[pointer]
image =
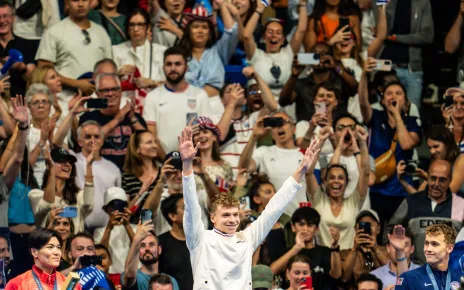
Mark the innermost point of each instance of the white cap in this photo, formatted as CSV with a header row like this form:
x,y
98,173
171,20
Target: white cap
x,y
114,193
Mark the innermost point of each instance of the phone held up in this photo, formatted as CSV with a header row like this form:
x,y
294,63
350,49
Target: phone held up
x,y
273,122
146,215
365,227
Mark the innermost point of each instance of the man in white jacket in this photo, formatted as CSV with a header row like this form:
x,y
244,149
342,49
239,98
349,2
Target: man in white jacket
x,y
221,258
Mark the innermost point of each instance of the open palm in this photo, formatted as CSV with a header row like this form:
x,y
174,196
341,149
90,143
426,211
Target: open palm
x,y
20,113
310,154
186,149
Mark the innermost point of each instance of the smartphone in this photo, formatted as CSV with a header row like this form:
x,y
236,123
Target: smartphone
x,y
307,282
191,116
146,215
365,227
305,204
99,103
411,167
449,101
383,65
309,58
245,200
177,163
273,122
69,212
321,108
342,22
87,261
119,205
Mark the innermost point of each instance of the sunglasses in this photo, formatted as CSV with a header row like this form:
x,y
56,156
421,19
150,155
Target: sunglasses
x,y
87,40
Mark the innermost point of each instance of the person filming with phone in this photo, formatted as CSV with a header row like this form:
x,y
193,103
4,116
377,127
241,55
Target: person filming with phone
x,y
232,251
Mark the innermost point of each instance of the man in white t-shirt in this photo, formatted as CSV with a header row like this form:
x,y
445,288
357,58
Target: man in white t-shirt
x,y
73,46
106,174
169,108
277,161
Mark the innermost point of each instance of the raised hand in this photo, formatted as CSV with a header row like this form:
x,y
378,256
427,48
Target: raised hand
x,y
242,177
78,103
186,149
361,133
335,234
310,154
237,95
93,155
143,230
259,130
47,157
20,113
341,35
249,72
398,238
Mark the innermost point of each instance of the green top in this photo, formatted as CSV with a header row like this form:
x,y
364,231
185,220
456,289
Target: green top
x,y
115,36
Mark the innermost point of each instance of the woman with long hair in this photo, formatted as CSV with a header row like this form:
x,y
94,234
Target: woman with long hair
x,y
208,55
298,269
209,155
65,227
141,173
60,189
111,20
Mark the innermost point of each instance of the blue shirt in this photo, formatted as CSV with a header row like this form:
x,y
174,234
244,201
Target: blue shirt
x,y
387,276
380,141
419,279
19,207
142,279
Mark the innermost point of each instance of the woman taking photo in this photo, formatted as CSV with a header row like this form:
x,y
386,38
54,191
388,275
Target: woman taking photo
x,y
454,115
275,62
207,54
298,270
111,20
340,212
141,173
167,21
60,189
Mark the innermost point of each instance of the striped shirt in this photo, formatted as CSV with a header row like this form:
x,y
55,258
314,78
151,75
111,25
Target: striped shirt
x,y
131,185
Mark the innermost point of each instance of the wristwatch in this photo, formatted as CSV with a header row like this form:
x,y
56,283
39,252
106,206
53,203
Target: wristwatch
x,y
335,249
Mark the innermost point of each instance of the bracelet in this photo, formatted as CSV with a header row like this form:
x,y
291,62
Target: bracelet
x,y
260,13
335,249
23,128
401,259
89,184
356,153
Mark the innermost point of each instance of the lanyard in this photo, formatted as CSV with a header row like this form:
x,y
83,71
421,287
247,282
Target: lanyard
x,y
39,284
434,282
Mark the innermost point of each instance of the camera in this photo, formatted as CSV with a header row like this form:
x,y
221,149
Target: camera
x,y
411,167
87,261
273,122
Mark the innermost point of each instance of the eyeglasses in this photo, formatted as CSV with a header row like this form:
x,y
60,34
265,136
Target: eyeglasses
x,y
342,127
5,16
42,102
254,92
133,25
87,37
109,90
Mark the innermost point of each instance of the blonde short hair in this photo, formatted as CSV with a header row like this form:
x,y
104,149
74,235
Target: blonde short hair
x,y
447,231
225,200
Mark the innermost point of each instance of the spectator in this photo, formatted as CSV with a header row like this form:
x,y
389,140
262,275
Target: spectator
x,y
166,20
74,45
436,204
5,257
298,268
453,40
368,282
141,170
138,59
81,244
44,246
325,262
324,23
305,91
225,218
366,255
408,32
439,243
118,233
63,226
117,124
454,116
394,136
399,248
47,75
171,107
274,63
148,248
160,282
175,259
209,156
276,161
207,56
261,277
340,212
107,261
111,20
60,189
235,124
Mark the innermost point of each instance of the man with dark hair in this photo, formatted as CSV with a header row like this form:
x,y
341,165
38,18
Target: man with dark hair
x,y
368,282
325,263
175,259
160,282
81,244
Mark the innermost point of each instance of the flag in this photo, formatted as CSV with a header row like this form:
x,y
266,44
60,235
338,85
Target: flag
x,y
91,277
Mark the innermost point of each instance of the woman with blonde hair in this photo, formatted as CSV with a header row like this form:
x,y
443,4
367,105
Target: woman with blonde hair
x,y
141,173
48,76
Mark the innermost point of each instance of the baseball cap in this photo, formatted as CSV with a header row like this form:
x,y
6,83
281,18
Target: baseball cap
x,y
62,155
261,276
114,193
176,160
368,212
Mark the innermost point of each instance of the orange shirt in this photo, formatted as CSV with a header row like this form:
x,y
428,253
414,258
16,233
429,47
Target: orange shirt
x,y
329,25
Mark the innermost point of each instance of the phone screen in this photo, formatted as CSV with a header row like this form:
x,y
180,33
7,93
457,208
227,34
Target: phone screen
x,y
146,215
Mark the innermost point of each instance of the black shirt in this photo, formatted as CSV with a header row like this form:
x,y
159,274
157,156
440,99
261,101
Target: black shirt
x,y
115,146
394,51
175,260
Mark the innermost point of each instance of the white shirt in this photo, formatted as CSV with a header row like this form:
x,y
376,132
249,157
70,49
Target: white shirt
x,y
278,163
233,148
105,175
222,261
171,112
64,44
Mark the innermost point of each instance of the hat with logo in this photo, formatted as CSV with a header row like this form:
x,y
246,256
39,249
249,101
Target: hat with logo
x,y
261,276
62,155
368,212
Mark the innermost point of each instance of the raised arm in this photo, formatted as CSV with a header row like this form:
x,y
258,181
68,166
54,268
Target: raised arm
x,y
50,189
363,163
363,92
408,140
248,38
310,38
453,37
193,226
8,122
270,103
299,34
260,228
237,95
381,34
398,241
246,158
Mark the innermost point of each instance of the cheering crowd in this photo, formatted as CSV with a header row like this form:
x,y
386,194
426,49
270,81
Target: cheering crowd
x,y
242,144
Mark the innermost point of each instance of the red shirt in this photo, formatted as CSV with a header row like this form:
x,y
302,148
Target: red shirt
x,y
26,281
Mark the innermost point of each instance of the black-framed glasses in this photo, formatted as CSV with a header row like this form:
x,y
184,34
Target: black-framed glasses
x,y
342,127
87,37
133,25
109,90
254,92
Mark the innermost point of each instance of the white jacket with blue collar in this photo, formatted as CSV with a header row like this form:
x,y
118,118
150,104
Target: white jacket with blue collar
x,y
221,261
